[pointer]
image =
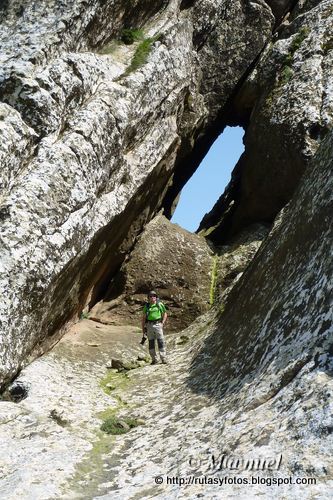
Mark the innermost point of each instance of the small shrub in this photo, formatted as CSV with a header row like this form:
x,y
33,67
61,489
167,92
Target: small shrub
x,y
114,425
141,54
129,36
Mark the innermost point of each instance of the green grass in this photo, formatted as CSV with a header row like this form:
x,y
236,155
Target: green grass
x,y
286,74
119,380
286,70
327,46
141,54
131,35
114,425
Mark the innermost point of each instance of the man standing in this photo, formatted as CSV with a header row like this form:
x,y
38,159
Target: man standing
x,y
154,317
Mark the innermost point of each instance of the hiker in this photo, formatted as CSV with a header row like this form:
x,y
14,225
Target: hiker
x,y
154,318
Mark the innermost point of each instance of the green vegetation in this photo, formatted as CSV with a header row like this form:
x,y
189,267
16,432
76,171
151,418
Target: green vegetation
x,y
286,74
141,54
84,315
113,380
297,42
130,35
213,280
286,71
89,472
114,425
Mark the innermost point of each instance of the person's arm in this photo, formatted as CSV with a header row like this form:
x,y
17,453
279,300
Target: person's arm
x,y
164,318
143,322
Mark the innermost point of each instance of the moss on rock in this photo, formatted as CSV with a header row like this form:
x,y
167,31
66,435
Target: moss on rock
x,y
114,425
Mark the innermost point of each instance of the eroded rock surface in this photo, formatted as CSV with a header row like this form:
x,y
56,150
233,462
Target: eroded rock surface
x,y
289,95
253,381
93,147
92,141
168,259
46,435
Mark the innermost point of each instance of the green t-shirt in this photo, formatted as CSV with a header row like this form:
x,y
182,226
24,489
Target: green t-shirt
x,y
155,311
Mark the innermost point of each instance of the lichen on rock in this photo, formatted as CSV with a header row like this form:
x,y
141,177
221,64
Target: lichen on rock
x,y
94,152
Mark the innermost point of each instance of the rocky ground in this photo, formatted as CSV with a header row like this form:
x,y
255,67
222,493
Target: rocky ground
x,y
52,445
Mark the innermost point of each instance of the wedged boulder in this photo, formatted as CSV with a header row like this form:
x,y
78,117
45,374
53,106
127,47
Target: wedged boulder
x,y
103,132
174,262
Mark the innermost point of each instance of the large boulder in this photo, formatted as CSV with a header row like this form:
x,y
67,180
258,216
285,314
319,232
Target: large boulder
x,y
174,262
94,132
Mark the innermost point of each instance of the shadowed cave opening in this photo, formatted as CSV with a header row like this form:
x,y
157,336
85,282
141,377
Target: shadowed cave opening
x,y
208,182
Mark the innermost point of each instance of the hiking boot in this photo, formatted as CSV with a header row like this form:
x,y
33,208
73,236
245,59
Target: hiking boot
x,y
164,361
154,362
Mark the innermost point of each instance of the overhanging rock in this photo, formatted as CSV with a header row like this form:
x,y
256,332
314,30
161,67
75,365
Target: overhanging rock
x,y
92,140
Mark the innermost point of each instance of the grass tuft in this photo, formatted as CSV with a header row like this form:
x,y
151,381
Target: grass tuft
x,y
141,54
114,425
286,70
131,35
213,281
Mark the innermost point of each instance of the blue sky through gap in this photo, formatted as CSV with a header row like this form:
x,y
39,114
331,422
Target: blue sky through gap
x,y
208,182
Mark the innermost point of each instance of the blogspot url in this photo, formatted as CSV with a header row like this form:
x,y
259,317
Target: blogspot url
x,y
226,480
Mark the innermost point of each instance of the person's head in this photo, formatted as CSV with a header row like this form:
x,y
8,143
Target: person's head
x,y
152,297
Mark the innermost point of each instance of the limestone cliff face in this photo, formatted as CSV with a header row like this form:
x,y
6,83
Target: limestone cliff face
x,y
98,136
289,98
92,139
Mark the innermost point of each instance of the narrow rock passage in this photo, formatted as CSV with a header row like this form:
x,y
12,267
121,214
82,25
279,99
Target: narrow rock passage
x,y
177,423
51,445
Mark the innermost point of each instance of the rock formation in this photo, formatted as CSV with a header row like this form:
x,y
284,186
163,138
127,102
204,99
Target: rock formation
x,y
107,108
288,97
96,134
170,260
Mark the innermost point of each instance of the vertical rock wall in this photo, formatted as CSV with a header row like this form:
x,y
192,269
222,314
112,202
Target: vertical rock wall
x,y
289,98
